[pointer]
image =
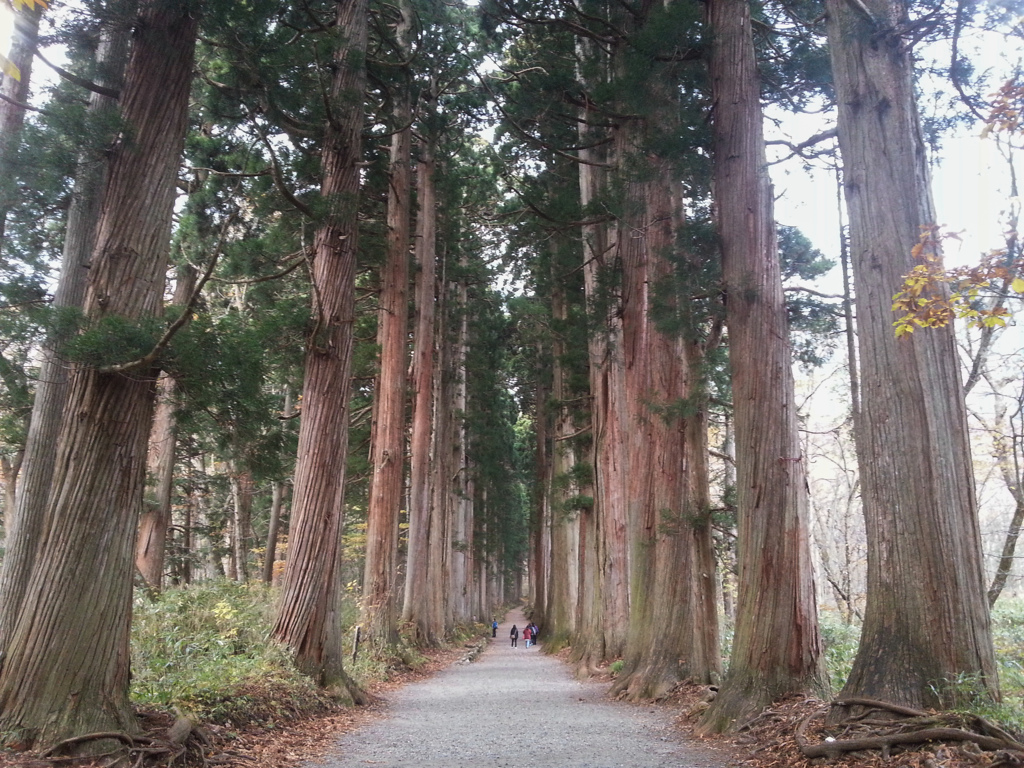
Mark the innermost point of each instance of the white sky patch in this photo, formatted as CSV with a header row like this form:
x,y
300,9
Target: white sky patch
x,y
971,185
6,28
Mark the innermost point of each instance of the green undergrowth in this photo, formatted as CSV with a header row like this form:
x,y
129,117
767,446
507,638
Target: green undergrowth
x,y
841,642
1008,637
205,650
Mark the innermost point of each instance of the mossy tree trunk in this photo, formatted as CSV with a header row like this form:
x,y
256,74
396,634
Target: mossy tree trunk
x,y
673,620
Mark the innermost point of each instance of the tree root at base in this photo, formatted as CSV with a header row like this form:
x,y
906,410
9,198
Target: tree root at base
x,y
135,751
917,728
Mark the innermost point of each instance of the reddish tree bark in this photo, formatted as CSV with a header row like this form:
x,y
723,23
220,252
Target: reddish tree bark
x,y
151,547
423,515
387,452
563,577
926,623
309,619
65,669
24,519
776,648
673,620
609,540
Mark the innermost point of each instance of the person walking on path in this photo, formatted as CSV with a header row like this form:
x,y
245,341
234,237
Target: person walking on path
x,y
465,716
514,635
494,627
527,634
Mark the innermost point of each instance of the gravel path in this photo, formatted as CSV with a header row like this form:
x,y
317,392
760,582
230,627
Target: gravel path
x,y
515,707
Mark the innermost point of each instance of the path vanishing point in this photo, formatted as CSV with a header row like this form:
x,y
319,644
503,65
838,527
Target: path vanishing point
x,y
515,707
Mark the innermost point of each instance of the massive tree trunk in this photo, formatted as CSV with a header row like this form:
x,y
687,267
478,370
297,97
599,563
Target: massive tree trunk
x,y
15,78
673,625
673,622
776,647
540,510
420,570
151,547
387,452
24,521
926,624
65,671
309,618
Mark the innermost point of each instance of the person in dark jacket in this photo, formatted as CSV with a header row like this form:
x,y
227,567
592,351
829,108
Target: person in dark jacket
x,y
514,635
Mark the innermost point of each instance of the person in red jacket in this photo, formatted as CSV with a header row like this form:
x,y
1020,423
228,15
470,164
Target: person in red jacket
x,y
527,634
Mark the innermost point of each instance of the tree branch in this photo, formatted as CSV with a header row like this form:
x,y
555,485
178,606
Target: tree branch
x,y
71,77
152,356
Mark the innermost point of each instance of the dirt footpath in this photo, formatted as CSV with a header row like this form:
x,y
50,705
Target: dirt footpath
x,y
515,707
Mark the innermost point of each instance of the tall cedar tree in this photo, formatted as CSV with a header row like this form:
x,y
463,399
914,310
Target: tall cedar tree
x,y
387,451
608,545
926,623
604,586
309,619
673,619
776,648
424,575
24,522
65,670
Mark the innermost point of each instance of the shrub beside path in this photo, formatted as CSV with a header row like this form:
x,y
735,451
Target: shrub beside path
x,y
516,707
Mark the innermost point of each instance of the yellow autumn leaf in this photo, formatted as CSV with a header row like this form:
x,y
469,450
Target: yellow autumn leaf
x,y
1018,284
29,5
8,68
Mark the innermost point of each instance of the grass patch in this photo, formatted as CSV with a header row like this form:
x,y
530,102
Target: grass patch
x,y
205,649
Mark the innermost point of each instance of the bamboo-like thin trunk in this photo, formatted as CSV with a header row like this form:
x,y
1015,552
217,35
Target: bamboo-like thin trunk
x,y
276,505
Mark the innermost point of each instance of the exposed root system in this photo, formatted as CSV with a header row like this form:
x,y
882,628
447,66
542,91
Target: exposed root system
x,y
794,734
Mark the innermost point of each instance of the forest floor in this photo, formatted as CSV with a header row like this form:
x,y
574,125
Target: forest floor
x,y
416,717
